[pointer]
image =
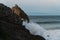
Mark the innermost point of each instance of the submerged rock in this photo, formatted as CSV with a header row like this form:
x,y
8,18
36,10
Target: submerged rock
x,y
11,27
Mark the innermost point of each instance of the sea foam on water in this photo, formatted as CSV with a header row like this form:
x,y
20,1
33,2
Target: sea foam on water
x,y
36,29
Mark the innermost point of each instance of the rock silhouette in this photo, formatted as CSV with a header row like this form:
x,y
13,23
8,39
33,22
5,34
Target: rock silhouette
x,y
11,27
18,11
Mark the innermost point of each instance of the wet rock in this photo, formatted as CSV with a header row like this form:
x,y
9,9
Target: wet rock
x,y
11,27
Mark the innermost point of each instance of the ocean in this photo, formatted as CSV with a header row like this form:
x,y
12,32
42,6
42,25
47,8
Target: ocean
x,y
47,22
50,23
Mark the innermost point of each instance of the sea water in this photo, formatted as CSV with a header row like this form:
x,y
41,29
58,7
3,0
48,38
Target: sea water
x,y
41,26
36,29
47,22
52,23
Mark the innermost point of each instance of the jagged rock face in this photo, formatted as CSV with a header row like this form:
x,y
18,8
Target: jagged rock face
x,y
6,14
11,27
18,11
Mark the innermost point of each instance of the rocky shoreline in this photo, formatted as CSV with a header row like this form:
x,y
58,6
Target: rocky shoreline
x,y
11,27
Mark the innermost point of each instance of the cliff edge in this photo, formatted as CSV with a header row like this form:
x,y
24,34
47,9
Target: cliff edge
x,y
11,27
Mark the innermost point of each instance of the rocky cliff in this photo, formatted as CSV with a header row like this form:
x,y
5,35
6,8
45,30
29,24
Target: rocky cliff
x,y
11,27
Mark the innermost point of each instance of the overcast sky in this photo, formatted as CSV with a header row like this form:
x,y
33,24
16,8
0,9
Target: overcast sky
x,y
36,7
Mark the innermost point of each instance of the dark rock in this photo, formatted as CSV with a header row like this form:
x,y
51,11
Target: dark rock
x,y
11,27
7,15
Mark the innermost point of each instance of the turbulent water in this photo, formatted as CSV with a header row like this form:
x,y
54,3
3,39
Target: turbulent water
x,y
36,29
48,22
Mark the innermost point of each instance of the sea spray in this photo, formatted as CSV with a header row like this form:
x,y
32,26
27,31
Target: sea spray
x,y
36,29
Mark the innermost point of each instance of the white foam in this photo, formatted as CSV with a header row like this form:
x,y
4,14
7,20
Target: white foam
x,y
55,34
36,29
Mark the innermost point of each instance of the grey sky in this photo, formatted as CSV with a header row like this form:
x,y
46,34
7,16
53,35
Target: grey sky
x,y
41,7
